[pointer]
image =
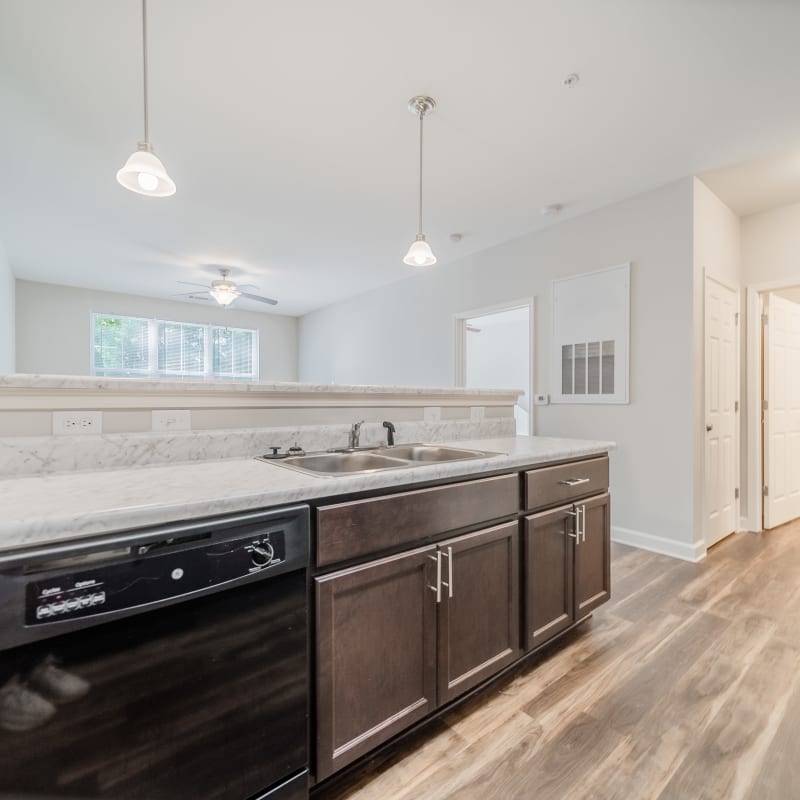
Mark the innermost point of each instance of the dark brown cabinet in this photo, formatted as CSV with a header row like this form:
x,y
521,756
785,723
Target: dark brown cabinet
x,y
378,649
400,636
549,596
593,556
376,654
567,566
478,609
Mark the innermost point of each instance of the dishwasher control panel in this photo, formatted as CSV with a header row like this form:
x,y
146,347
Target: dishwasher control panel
x,y
158,571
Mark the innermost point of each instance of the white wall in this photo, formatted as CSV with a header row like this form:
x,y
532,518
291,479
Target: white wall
x,y
63,347
771,247
7,330
404,334
717,253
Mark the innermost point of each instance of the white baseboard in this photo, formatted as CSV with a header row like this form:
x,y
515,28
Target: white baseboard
x,y
658,544
746,524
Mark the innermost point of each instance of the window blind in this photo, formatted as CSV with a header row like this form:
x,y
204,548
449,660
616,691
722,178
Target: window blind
x,y
139,347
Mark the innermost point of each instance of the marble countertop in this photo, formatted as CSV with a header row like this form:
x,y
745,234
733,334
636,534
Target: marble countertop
x,y
22,381
52,508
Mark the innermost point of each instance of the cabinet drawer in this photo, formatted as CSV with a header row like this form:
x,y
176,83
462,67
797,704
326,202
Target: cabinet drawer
x,y
550,486
350,530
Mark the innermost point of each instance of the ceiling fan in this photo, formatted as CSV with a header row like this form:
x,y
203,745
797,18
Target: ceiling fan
x,y
225,291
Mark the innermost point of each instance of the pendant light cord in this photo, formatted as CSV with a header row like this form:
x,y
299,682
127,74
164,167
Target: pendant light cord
x,y
144,71
421,117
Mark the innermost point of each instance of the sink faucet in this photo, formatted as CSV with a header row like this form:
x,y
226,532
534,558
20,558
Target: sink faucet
x,y
389,433
355,434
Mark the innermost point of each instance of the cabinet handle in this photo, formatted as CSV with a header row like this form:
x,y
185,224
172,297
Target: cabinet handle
x,y
574,481
449,582
579,535
438,588
576,534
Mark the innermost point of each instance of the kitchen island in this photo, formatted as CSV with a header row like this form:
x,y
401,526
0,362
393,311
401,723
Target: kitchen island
x,y
426,582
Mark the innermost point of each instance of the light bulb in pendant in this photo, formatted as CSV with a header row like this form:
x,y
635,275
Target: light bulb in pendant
x,y
147,181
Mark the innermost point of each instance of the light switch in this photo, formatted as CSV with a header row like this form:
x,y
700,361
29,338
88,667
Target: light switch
x,y
180,420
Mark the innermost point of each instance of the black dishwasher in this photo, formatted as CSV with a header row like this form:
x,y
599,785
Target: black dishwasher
x,y
166,664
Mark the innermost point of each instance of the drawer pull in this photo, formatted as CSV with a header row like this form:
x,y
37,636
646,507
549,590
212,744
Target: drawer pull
x,y
574,481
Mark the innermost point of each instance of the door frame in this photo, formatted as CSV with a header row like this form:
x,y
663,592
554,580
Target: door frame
x,y
709,276
460,344
754,521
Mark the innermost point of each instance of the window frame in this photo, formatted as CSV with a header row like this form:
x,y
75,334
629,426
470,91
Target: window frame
x,y
153,373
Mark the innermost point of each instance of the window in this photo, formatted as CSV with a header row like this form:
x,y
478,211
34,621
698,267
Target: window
x,y
155,348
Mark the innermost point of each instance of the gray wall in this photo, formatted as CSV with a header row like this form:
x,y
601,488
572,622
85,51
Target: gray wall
x,y
404,334
53,327
7,313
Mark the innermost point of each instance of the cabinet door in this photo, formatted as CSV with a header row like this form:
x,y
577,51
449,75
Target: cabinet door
x,y
376,654
479,608
549,594
593,555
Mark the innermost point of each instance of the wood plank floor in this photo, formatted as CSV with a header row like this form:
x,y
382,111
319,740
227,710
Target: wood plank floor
x,y
686,686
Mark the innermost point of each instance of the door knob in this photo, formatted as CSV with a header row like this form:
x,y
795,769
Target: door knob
x,y
709,428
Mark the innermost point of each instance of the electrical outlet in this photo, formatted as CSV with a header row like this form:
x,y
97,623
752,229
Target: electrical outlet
x,y
172,420
541,399
77,423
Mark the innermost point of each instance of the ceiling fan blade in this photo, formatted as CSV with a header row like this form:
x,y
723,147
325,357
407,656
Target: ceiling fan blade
x,y
260,299
247,287
189,283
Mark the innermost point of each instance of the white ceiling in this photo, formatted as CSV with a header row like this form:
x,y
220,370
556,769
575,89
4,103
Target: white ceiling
x,y
760,184
285,128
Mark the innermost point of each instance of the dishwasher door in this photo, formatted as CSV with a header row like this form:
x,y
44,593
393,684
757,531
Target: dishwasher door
x,y
202,694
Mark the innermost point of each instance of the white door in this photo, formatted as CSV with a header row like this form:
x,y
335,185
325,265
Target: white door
x,y
782,411
722,393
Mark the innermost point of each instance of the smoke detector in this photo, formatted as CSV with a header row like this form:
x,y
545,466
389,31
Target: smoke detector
x,y
456,237
552,209
572,80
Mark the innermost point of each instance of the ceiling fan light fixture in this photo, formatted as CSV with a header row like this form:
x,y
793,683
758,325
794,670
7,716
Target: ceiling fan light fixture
x,y
420,253
145,174
224,292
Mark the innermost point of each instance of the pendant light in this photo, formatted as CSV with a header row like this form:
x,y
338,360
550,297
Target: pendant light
x,y
420,253
143,171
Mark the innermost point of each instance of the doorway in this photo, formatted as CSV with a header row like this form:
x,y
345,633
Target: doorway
x,y
780,386
494,350
721,490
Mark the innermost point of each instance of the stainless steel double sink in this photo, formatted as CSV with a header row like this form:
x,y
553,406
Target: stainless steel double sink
x,y
373,459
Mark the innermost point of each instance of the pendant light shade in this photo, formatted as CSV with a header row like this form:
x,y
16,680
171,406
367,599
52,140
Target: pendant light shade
x,y
143,172
420,253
